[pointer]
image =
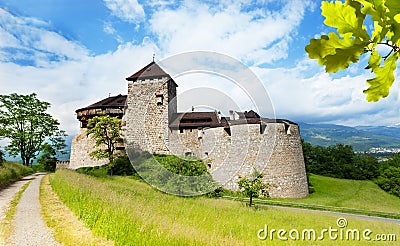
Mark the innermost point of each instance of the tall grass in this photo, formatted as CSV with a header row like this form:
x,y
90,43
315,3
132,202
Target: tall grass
x,y
67,229
130,212
11,172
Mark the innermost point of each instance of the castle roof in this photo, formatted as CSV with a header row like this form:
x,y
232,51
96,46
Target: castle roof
x,y
109,102
193,120
150,71
196,120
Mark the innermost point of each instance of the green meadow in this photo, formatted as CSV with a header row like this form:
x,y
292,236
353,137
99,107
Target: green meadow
x,y
130,212
357,194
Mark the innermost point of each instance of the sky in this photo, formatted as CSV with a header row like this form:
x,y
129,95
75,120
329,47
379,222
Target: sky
x,y
73,53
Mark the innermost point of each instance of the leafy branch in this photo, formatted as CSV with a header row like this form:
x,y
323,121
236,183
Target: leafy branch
x,y
337,50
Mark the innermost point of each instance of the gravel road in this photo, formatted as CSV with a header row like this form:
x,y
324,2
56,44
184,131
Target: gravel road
x,y
7,194
30,229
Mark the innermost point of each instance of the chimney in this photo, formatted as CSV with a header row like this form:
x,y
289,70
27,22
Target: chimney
x,y
231,115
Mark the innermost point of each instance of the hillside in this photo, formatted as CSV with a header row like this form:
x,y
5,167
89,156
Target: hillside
x,y
362,138
348,193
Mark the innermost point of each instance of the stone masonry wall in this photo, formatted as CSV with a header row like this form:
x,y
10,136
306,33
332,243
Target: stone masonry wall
x,y
147,115
276,152
81,147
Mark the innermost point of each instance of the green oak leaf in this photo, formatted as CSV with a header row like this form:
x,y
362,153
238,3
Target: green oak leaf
x,y
380,85
334,52
393,6
374,60
375,8
341,16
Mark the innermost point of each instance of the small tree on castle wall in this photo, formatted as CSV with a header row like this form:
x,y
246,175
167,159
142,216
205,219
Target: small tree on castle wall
x,y
253,186
106,131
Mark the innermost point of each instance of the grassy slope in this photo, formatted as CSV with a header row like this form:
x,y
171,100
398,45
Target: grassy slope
x,y
130,212
11,172
350,194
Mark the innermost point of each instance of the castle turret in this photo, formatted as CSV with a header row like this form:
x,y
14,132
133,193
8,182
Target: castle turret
x,y
151,105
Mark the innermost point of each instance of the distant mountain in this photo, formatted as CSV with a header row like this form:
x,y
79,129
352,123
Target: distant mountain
x,y
362,138
392,131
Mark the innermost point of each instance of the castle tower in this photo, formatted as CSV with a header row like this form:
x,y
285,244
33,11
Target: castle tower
x,y
151,104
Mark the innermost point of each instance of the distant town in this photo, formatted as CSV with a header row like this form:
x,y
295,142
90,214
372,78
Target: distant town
x,y
384,150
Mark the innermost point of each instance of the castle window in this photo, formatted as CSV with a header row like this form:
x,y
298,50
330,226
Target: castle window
x,y
287,129
262,128
181,130
159,99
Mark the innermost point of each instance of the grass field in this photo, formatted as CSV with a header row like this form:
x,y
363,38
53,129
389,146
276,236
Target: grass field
x,y
11,172
130,212
346,193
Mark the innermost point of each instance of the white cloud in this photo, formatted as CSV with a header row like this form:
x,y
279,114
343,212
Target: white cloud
x,y
255,36
322,98
127,10
30,40
71,85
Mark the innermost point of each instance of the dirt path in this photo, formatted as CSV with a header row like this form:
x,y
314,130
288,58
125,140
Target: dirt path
x,y
30,229
7,194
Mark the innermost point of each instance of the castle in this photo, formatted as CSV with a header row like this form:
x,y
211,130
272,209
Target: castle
x,y
231,146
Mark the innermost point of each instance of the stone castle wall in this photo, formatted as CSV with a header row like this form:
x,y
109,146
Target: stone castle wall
x,y
274,150
81,147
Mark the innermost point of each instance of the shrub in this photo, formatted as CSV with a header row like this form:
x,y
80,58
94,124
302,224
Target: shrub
x,y
389,180
122,166
98,171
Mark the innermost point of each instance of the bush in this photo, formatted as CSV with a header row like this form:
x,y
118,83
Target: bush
x,y
160,171
389,181
98,171
122,166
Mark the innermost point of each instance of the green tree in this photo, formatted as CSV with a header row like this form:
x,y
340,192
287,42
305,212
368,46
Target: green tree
x,y
106,131
352,38
24,121
253,186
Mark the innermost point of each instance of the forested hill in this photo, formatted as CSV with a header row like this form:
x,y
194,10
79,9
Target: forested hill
x,y
362,138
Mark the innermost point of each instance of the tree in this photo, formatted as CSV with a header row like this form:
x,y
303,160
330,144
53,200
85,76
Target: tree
x,y
48,158
106,131
24,121
253,186
352,39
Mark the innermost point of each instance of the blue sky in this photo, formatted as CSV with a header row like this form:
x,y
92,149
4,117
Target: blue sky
x,y
73,53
